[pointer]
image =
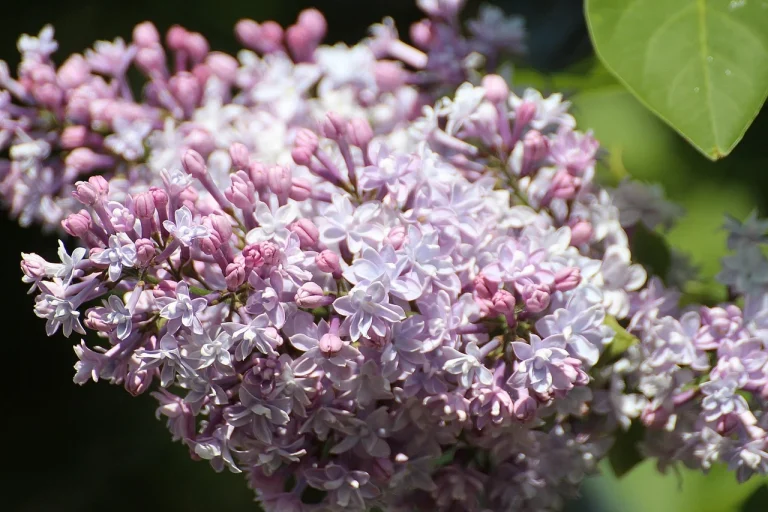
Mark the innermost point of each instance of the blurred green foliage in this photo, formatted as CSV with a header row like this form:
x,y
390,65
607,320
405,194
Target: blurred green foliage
x,y
96,448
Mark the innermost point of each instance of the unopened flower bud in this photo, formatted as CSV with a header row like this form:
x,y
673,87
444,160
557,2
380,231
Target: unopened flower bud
x,y
301,189
259,176
310,295
86,160
176,37
484,288
389,75
581,233
307,232
145,35
333,126
496,88
96,321
252,257
221,226
328,261
242,192
306,139
360,132
144,205
145,251
270,252
240,156
186,89
280,180
504,303
33,266
330,344
525,407
74,72
567,279
223,66
314,21
77,224
194,164
564,186
151,60
397,236
76,136
301,155
524,114
421,33
159,196
138,381
300,42
536,297
86,193
197,46
234,275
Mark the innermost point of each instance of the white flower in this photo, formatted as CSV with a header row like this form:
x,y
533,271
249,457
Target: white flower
x,y
619,276
549,111
467,365
120,253
342,221
185,230
40,47
182,310
273,222
367,308
128,138
119,316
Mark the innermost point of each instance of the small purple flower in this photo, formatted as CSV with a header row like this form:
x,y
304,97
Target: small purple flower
x,y
120,253
185,229
545,366
367,309
467,366
182,310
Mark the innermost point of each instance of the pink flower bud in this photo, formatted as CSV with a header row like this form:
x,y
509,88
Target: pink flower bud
x,y
145,251
301,189
159,196
504,303
524,114
301,155
421,33
270,252
310,295
389,75
328,261
151,60
330,344
314,21
259,176
333,126
300,42
397,236
360,132
186,89
581,233
86,160
200,140
76,136
86,193
209,245
77,224
248,32
264,38
48,95
197,46
33,266
241,193
484,288
564,186
567,279
307,232
525,407
100,184
74,72
95,320
234,275
536,297
496,89
145,35
221,226
252,256
271,37
535,149
280,180
144,205
176,37
194,164
202,73
306,139
223,66
240,156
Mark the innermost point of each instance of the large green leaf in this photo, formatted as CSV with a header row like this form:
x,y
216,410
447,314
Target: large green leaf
x,y
700,65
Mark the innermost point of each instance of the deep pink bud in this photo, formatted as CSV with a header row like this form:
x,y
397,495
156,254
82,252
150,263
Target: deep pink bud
x,y
77,224
314,21
76,136
248,32
307,232
33,266
221,225
240,156
280,180
252,256
360,132
301,189
100,184
581,233
200,140
496,88
259,176
525,407
210,245
74,72
484,288
223,66
524,114
234,275
144,205
270,252
328,261
310,295
264,38
567,279
271,36
151,60
397,236
333,126
145,251
504,303
194,164
159,196
330,344
535,148
241,193
536,297
564,186
300,43
145,34
176,37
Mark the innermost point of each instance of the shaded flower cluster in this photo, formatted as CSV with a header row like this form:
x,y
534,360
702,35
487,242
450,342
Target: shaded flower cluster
x,y
370,276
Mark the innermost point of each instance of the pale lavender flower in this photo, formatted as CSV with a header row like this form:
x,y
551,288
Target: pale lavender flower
x,y
182,310
368,309
342,222
467,366
120,253
185,229
119,316
544,365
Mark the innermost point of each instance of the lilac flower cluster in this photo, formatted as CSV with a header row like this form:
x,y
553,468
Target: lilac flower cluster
x,y
359,291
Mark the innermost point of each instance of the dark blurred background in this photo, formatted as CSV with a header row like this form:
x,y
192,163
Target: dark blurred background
x,y
70,448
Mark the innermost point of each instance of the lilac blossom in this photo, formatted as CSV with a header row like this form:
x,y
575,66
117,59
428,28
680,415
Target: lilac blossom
x,y
120,253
